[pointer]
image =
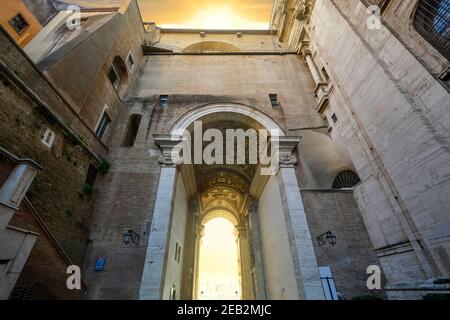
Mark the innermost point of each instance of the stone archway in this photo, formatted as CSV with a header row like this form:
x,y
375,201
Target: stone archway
x,y
254,116
223,193
211,47
214,279
188,193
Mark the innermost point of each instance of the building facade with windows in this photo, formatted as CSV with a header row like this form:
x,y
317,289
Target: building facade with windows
x,y
358,108
19,21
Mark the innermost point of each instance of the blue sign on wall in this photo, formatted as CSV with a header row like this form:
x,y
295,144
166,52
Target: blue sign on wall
x,y
100,264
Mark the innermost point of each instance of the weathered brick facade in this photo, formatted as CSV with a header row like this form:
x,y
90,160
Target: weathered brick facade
x,y
44,275
365,103
57,193
337,211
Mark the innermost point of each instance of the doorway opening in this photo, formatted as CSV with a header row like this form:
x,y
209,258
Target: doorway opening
x,y
219,262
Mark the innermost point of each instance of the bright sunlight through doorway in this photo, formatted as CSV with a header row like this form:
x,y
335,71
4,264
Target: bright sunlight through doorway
x,y
218,263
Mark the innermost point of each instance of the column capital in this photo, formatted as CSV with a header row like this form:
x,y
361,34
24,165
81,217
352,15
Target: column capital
x,y
194,206
200,232
167,144
286,151
240,232
304,49
254,206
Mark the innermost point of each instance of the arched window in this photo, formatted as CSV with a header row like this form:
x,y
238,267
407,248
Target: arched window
x,y
118,74
346,179
432,22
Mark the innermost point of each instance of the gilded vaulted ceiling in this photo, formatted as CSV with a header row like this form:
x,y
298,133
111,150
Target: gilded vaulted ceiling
x,y
224,187
223,190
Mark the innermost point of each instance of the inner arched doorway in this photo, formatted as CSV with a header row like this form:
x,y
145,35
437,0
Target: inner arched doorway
x,y
219,274
276,259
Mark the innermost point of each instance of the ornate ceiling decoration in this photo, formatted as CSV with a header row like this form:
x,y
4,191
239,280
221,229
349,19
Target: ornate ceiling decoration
x,y
223,190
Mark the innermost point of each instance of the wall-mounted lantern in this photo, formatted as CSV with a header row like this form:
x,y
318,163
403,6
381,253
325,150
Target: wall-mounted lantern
x,y
131,237
327,237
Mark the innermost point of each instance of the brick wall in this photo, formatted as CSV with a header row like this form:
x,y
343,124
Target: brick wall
x,y
24,69
337,211
57,191
6,168
45,270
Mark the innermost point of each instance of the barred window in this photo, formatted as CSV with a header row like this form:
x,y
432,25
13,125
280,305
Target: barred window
x,y
432,21
346,179
23,293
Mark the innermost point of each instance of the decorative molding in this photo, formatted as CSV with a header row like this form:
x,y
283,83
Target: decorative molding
x,y
241,232
194,206
304,49
303,10
254,204
185,121
287,147
200,232
167,144
288,159
323,102
394,249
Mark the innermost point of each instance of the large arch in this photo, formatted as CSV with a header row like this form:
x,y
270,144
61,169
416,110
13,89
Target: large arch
x,y
196,114
262,207
211,47
215,213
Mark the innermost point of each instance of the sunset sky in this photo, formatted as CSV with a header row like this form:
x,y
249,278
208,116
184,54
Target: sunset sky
x,y
203,14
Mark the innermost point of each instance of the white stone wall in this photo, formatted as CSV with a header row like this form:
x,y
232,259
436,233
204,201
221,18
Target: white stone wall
x,y
393,118
235,79
174,268
248,42
278,261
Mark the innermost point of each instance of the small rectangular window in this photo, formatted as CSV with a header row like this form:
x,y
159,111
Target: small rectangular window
x,y
325,74
132,130
91,175
179,254
274,100
103,125
334,117
48,138
163,100
130,62
19,23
